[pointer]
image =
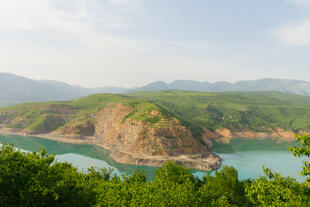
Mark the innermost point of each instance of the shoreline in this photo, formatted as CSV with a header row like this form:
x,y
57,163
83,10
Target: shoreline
x,y
209,161
205,162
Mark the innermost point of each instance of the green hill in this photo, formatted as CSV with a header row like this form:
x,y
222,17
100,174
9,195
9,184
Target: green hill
x,y
237,111
49,116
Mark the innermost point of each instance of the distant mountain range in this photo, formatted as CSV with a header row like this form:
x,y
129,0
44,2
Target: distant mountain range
x,y
283,85
16,89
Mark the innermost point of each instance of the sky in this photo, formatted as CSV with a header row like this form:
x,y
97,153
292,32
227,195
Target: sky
x,y
95,43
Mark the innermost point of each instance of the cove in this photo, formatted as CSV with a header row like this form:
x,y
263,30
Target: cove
x,y
82,156
247,156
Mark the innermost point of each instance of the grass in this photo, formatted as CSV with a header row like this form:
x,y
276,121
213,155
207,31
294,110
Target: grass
x,y
47,123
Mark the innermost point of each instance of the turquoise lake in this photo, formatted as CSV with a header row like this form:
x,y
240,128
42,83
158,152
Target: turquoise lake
x,y
246,156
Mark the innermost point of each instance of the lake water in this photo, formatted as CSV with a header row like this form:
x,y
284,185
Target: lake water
x,y
247,157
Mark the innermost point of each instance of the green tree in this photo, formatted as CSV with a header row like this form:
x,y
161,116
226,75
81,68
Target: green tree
x,y
36,179
174,185
278,191
304,150
222,188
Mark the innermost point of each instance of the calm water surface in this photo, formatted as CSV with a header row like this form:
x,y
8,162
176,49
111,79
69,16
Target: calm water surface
x,y
249,163
247,157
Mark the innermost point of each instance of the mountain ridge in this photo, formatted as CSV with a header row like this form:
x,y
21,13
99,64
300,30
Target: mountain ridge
x,y
17,89
267,84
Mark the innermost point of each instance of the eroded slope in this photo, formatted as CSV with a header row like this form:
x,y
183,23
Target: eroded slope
x,y
135,130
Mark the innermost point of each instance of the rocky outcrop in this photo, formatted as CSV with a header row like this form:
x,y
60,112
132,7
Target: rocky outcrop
x,y
139,142
207,161
226,135
77,129
142,138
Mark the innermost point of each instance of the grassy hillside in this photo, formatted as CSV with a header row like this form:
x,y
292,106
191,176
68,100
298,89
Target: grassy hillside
x,y
49,116
238,111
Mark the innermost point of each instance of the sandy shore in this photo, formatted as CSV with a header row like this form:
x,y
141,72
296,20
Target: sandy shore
x,y
71,140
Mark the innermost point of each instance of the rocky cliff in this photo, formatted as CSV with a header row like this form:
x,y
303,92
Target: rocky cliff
x,y
139,142
225,135
134,133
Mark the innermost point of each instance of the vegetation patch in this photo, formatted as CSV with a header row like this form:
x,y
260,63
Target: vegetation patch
x,y
47,123
170,137
153,120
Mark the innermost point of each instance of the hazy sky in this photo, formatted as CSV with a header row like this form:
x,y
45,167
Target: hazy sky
x,y
133,42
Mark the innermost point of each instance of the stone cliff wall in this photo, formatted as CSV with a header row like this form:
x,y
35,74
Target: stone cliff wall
x,y
139,137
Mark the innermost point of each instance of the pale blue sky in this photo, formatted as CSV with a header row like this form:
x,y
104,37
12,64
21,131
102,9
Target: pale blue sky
x,y
133,42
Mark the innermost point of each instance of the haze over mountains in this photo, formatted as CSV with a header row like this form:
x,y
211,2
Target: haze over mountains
x,y
268,84
16,89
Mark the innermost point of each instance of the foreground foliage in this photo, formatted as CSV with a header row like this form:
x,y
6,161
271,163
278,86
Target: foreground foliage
x,y
303,151
36,179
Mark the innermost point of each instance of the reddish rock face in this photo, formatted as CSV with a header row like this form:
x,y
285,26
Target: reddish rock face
x,y
280,134
78,129
140,137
